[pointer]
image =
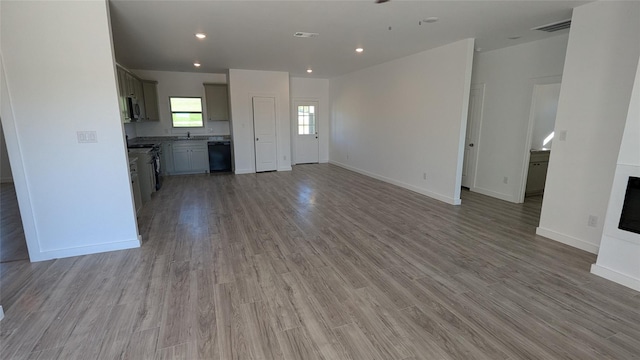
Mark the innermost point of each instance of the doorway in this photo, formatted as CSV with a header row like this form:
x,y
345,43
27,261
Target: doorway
x,y
13,244
474,120
307,146
542,120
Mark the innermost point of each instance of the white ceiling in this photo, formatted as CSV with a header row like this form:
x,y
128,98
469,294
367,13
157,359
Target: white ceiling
x,y
159,35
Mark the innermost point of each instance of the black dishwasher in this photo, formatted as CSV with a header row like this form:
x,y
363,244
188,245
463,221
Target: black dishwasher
x,y
219,156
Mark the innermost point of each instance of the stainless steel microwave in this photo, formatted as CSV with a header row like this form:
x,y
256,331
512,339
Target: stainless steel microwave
x,y
134,108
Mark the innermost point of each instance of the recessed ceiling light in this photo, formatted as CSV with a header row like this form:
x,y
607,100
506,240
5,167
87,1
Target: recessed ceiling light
x,y
309,71
196,64
514,37
431,19
359,50
201,35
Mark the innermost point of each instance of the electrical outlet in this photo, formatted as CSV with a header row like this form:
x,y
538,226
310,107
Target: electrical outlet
x,y
424,176
505,180
593,221
87,136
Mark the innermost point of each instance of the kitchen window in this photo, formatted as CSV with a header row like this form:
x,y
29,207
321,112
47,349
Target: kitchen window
x,y
186,112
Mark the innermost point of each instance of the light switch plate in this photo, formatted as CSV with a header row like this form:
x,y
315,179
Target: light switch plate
x,y
87,137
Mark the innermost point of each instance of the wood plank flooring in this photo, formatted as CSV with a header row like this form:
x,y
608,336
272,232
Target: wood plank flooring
x,y
320,263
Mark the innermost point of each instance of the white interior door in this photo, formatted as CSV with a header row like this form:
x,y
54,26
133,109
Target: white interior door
x,y
264,127
476,101
307,145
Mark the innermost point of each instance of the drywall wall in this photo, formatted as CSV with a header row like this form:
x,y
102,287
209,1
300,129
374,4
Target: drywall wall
x,y
75,198
404,121
600,67
619,255
316,90
243,86
544,108
172,83
5,167
509,75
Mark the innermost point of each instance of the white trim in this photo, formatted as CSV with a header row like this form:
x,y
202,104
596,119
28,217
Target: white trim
x,y
615,276
443,198
1,313
285,168
86,250
568,240
244,171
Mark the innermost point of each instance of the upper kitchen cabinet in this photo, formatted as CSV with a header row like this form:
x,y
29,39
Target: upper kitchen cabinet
x,y
217,101
150,91
122,95
138,94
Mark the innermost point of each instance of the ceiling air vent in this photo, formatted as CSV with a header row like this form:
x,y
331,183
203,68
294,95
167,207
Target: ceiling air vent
x,y
302,34
556,26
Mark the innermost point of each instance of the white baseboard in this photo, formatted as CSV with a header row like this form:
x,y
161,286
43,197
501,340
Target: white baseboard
x,y
497,195
243,171
285,168
568,240
85,250
443,198
616,277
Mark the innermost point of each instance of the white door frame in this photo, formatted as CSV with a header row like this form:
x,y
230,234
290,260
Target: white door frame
x,y
545,80
294,126
473,163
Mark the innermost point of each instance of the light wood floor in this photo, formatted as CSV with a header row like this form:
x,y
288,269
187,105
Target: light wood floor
x,y
320,263
13,245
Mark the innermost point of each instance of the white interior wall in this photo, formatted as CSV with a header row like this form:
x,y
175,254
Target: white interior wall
x,y
404,121
74,198
317,90
171,83
243,86
619,255
5,167
509,75
599,72
545,108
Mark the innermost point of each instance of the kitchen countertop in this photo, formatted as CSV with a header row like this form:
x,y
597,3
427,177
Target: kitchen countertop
x,y
160,139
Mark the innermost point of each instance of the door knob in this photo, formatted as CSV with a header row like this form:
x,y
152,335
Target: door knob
x,y
471,145
257,139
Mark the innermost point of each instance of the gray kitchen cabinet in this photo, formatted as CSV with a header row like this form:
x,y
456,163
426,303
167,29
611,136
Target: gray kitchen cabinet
x,y
122,94
166,158
537,175
146,175
190,157
138,93
150,93
217,102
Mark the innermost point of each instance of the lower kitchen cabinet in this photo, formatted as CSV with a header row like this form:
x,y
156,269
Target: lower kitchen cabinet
x,y
190,157
166,158
146,174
